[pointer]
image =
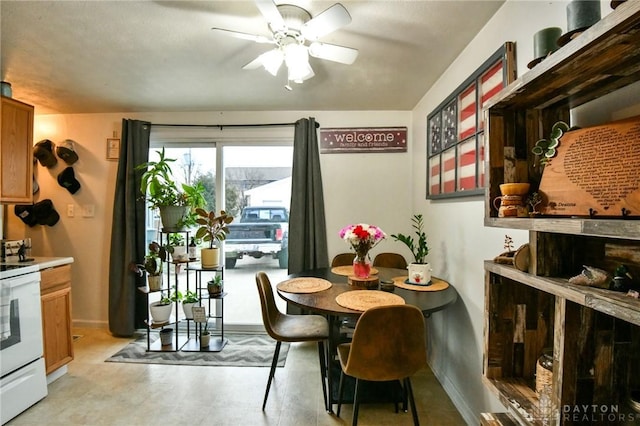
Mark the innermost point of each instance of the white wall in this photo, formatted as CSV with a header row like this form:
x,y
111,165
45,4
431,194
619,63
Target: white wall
x,y
356,188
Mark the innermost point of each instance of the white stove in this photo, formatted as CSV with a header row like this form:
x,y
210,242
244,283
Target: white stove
x,y
8,270
22,370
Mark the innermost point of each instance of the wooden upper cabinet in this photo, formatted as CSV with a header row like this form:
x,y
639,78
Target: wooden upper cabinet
x,y
16,152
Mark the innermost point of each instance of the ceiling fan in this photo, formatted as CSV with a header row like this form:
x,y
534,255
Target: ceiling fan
x,y
295,35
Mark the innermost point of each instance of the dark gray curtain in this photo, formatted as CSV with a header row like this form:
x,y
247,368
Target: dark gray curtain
x,y
307,227
127,305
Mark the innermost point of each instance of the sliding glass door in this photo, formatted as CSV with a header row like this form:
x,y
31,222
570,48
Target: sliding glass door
x,y
238,178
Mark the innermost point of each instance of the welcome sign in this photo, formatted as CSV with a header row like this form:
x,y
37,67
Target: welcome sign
x,y
368,139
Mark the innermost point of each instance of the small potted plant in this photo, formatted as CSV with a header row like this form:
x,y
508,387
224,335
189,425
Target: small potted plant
x,y
152,265
161,310
205,336
189,300
166,336
212,229
419,270
177,247
215,286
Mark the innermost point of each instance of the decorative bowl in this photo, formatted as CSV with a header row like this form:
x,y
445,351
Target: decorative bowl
x,y
514,188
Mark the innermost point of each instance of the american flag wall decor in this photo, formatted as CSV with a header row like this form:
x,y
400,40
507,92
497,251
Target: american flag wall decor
x,y
455,129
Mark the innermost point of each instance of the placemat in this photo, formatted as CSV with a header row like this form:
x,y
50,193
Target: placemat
x,y
304,285
347,270
361,300
436,284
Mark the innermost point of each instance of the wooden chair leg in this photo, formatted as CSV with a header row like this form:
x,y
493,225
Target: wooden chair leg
x,y
414,411
356,403
340,388
323,374
274,362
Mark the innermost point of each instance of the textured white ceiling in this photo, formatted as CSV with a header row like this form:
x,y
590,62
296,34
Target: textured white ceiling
x,y
138,56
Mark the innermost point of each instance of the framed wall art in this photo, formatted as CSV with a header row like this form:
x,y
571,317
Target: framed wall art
x,y
455,129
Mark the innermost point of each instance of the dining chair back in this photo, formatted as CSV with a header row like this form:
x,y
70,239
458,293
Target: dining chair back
x,y
389,343
343,259
390,260
291,328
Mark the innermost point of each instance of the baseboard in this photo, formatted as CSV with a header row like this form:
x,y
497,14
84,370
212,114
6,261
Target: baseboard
x,y
458,400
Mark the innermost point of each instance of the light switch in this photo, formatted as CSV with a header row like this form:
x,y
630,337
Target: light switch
x,y
70,210
88,210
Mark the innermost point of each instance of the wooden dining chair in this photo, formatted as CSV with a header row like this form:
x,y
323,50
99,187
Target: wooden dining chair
x,y
389,343
390,260
343,259
291,328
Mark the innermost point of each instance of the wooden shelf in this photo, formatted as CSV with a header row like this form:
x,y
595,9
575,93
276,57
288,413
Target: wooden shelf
x,y
602,59
613,228
518,396
612,303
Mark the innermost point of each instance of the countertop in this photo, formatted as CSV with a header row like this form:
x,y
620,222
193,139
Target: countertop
x,y
44,262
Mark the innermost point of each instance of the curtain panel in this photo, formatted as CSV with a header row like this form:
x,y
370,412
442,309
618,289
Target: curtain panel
x,y
307,225
127,305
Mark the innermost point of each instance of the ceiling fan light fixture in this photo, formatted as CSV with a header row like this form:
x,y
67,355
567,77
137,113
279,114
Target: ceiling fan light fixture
x,y
272,60
296,57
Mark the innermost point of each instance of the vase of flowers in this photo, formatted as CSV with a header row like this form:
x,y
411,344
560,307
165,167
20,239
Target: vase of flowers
x,y
362,238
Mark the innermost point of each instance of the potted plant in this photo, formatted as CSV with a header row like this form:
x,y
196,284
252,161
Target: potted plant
x,y
152,265
161,191
189,300
177,247
419,270
212,229
166,336
205,336
161,310
215,286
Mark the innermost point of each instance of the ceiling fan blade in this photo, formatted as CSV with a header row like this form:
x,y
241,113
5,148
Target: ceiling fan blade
x,y
272,14
332,52
326,22
244,36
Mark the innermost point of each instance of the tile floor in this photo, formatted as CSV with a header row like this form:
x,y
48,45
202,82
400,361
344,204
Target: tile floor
x,y
94,392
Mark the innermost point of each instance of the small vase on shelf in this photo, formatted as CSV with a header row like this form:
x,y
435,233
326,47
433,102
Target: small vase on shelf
x,y
362,265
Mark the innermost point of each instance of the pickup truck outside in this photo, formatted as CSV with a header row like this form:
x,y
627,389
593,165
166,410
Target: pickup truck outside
x,y
261,231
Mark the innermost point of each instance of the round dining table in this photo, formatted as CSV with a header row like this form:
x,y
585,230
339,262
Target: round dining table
x,y
324,302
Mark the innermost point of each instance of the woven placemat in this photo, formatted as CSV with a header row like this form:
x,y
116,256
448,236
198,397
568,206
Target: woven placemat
x,y
348,270
436,284
304,285
361,300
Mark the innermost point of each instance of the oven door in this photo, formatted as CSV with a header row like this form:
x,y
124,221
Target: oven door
x,y
20,321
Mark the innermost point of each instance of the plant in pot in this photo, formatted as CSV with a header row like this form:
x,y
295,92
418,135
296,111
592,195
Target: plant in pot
x,y
212,229
419,270
205,336
152,265
215,286
189,300
174,203
161,310
177,247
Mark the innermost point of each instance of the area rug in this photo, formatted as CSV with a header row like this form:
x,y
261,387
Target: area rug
x,y
242,350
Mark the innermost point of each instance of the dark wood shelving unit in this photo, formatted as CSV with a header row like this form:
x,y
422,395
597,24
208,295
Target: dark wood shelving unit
x,y
594,333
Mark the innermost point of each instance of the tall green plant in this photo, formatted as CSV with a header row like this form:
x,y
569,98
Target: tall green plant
x,y
419,247
159,187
